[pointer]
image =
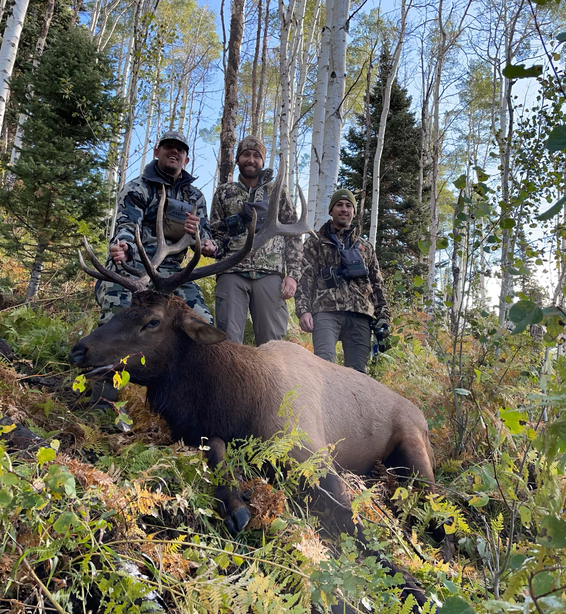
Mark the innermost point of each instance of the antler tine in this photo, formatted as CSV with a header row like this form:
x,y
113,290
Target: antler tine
x,y
163,249
167,285
227,263
272,226
105,274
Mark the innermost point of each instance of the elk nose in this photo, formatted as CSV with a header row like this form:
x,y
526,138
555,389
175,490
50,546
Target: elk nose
x,y
77,354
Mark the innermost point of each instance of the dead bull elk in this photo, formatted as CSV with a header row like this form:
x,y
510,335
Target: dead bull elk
x,y
207,387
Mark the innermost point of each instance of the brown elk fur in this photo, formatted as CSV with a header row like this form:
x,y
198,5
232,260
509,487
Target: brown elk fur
x,y
206,387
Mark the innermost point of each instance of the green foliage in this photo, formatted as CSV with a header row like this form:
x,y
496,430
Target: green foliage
x,y
401,219
40,336
57,193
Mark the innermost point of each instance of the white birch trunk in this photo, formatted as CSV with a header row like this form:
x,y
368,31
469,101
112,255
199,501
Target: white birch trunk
x,y
39,47
386,102
333,117
319,113
9,51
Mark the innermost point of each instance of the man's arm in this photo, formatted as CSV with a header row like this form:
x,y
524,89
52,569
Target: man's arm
x,y
218,226
131,209
381,307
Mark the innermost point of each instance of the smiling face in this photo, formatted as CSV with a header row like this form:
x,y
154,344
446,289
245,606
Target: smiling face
x,y
342,213
172,157
250,164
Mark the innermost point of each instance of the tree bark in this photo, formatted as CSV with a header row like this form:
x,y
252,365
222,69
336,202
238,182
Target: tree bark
x,y
36,269
9,51
39,47
319,114
230,112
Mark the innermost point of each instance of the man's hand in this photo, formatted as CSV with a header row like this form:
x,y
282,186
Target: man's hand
x,y
306,322
288,288
208,248
119,251
192,223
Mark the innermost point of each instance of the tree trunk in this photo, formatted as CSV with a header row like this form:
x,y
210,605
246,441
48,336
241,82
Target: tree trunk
x,y
261,87
36,269
229,115
255,97
333,117
319,114
386,101
9,51
39,47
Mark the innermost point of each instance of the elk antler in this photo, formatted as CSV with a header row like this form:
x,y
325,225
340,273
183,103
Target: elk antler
x,y
272,225
169,284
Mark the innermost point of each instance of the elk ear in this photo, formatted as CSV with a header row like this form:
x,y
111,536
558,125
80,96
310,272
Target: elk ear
x,y
201,332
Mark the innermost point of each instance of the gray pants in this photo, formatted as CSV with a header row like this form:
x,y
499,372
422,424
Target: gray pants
x,y
235,294
353,329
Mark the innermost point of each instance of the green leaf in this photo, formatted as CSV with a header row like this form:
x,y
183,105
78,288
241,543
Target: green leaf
x,y
418,281
514,419
520,72
424,246
526,516
45,455
460,183
65,521
552,532
553,211
561,37
442,243
507,223
79,383
456,605
523,313
5,497
543,582
517,560
557,139
479,500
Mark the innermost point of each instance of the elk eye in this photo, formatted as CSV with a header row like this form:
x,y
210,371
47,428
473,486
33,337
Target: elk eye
x,y
152,323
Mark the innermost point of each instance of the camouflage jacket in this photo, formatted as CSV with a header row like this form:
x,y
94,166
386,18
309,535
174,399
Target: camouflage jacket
x,y
280,255
362,295
137,206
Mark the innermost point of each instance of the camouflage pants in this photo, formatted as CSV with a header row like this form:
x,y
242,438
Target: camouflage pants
x,y
112,298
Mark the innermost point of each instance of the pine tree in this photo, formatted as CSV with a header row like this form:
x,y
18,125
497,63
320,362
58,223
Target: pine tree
x,y
57,192
402,221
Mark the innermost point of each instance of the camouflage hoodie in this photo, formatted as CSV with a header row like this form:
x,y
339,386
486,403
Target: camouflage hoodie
x,y
362,295
280,255
137,206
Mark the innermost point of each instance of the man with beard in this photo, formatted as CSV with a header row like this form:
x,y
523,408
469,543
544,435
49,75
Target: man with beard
x,y
268,277
341,294
137,207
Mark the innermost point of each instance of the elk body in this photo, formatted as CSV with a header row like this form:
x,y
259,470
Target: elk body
x,y
207,387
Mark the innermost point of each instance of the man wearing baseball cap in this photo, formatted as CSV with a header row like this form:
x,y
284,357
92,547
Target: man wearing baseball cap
x,y
340,294
137,207
268,277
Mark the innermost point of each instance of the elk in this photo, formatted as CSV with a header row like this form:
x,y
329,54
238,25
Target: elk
x,y
210,389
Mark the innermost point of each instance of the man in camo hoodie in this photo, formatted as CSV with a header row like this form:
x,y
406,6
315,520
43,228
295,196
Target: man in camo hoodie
x,y
341,292
185,211
268,277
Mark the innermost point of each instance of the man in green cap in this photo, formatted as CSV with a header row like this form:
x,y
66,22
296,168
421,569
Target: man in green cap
x,y
340,293
267,278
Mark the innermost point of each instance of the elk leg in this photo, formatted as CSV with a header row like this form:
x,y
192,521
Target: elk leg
x,y
233,506
412,457
337,499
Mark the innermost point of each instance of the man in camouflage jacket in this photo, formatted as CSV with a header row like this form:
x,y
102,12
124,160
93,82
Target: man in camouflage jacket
x,y
268,277
340,294
137,206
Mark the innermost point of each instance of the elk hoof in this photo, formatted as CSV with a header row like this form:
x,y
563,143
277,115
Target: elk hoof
x,y
237,520
233,508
